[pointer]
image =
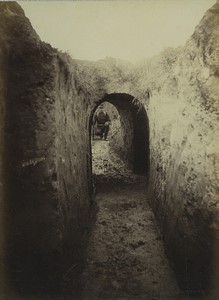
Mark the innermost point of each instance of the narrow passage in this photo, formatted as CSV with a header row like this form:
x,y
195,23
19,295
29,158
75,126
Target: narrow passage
x,y
125,257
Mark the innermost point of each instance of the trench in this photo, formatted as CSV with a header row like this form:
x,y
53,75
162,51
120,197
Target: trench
x,y
47,170
125,255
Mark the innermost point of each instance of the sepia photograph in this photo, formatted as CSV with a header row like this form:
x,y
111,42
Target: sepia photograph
x,y
109,150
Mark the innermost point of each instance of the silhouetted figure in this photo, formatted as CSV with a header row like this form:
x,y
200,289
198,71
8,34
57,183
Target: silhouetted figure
x,y
102,119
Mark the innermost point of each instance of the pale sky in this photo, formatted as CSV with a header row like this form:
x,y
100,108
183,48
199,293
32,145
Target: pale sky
x,y
130,30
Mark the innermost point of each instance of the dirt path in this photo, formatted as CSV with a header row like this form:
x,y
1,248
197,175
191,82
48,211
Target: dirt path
x,y
125,257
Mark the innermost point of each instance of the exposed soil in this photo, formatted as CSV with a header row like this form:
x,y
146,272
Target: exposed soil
x,y
125,257
108,169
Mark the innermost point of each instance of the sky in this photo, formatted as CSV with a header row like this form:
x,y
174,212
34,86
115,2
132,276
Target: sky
x,y
129,30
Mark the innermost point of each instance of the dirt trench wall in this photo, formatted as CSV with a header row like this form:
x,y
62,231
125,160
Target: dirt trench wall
x,y
72,156
183,116
25,167
46,195
184,186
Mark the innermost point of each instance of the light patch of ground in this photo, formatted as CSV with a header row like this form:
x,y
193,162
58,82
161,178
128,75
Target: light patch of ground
x,y
108,168
105,163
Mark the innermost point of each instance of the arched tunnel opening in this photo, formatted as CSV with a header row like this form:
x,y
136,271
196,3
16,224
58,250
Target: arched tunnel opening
x,y
120,253
128,131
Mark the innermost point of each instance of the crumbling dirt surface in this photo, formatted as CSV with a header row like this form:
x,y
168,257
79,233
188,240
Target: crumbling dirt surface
x,y
108,168
125,256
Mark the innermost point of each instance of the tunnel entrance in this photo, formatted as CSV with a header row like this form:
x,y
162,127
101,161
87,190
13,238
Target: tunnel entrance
x,y
125,257
129,138
106,136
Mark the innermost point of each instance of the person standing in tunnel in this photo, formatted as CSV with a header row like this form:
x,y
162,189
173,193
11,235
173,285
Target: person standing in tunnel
x,y
102,119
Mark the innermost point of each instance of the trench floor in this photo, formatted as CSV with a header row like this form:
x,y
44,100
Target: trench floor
x,y
125,255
